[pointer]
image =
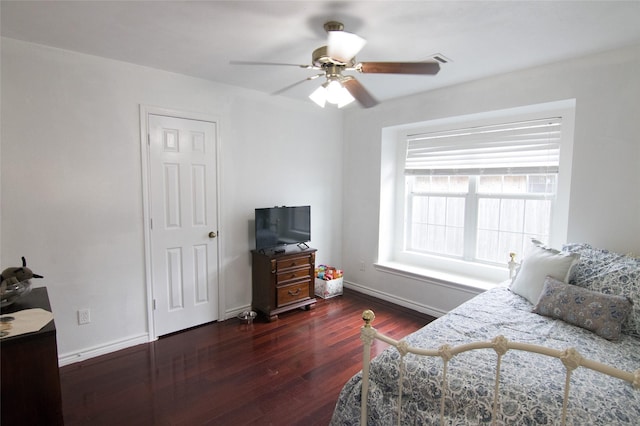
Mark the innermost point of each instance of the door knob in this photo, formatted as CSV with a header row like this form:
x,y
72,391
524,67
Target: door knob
x,y
212,234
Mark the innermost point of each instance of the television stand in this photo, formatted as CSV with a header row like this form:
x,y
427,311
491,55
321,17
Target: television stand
x,y
282,282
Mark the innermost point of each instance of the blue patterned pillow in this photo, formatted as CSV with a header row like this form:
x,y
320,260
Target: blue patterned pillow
x,y
601,313
612,273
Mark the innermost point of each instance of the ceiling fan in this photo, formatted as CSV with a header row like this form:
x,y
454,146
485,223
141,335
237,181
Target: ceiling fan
x,y
338,56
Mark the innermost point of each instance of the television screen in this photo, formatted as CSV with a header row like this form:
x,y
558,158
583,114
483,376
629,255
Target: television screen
x,y
279,226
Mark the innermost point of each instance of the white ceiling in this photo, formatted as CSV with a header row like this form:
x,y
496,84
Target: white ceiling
x,y
200,38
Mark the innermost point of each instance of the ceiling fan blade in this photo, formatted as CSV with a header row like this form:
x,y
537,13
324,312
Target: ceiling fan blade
x,y
270,63
291,86
358,91
343,46
430,68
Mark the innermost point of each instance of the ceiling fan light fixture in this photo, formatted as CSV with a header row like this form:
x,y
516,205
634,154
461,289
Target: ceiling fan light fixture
x,y
332,92
319,96
337,94
346,100
343,46
344,97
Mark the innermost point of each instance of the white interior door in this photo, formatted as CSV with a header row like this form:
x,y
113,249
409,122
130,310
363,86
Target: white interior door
x,y
183,243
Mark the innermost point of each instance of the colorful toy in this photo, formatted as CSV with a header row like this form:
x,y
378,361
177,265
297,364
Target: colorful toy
x,y
328,273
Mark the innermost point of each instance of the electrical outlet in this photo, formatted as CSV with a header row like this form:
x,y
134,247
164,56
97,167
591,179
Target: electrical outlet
x,y
362,265
84,316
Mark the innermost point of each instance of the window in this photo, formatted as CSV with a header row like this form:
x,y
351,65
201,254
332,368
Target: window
x,y
470,191
504,213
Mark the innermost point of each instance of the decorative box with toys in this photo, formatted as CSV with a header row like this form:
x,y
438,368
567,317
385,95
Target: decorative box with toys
x,y
328,281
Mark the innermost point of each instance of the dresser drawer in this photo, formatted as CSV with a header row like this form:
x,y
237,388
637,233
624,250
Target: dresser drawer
x,y
293,262
293,292
295,274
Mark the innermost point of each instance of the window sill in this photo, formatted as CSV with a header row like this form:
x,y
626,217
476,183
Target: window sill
x,y
458,281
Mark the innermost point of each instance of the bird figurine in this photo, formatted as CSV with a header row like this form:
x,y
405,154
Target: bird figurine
x,y
18,274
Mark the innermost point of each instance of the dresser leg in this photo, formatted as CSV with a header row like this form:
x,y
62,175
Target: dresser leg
x,y
273,318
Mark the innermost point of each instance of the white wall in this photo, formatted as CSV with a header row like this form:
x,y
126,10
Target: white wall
x,y
71,174
604,208
71,181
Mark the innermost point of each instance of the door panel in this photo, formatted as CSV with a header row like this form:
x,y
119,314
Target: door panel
x,y
183,210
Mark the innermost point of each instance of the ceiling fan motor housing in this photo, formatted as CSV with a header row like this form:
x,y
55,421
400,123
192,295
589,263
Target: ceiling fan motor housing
x,y
321,59
333,26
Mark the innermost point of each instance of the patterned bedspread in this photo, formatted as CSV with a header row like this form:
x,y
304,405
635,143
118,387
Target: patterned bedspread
x,y
531,385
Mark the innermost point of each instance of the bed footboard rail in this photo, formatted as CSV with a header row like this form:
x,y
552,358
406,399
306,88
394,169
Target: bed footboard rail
x,y
569,357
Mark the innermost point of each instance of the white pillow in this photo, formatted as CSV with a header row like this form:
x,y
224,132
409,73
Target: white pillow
x,y
537,265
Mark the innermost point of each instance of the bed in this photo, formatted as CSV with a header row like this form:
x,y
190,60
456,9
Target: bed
x,y
586,308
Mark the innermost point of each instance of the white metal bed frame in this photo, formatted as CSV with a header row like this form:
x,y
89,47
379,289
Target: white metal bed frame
x,y
569,357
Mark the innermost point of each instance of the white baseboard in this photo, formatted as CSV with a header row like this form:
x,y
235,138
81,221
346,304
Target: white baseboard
x,y
92,352
429,310
95,351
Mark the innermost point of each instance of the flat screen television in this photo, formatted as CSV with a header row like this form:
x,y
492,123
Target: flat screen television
x,y
280,226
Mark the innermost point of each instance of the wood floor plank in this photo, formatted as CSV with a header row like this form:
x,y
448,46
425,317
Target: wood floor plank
x,y
286,372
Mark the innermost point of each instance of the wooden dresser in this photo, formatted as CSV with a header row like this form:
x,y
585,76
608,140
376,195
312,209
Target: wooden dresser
x,y
283,281
30,376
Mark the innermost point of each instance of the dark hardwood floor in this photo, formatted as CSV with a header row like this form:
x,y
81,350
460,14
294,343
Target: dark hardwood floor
x,y
286,372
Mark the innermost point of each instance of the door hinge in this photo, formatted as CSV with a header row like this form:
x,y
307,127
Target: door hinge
x,y
154,304
151,223
149,139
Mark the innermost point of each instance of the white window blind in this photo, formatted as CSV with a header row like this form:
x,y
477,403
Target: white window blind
x,y
524,147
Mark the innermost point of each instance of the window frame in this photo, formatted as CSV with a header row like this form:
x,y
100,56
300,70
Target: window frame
x,y
391,253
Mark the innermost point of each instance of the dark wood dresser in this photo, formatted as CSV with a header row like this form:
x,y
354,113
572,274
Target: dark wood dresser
x,y
30,392
283,281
